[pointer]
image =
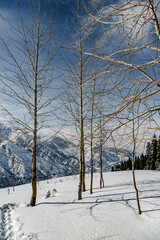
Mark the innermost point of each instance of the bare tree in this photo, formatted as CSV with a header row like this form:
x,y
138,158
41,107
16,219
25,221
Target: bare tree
x,y
28,73
98,87
134,54
77,82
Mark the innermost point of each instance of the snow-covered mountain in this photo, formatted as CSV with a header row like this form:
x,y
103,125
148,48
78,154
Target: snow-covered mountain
x,y
55,157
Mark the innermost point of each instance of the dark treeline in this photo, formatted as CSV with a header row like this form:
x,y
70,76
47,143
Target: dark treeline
x,y
149,161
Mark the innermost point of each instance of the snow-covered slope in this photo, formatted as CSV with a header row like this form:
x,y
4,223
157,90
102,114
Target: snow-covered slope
x,y
109,213
56,157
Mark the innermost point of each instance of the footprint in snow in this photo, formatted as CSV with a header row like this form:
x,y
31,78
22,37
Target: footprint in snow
x,y
10,227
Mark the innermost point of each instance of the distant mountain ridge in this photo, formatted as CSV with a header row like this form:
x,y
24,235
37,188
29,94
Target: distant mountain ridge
x,y
55,157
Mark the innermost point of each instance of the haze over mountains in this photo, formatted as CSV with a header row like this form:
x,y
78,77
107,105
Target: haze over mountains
x,y
55,157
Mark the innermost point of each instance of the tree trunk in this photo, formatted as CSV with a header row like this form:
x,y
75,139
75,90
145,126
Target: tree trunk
x,y
34,174
80,174
101,159
91,183
82,163
101,168
133,173
83,173
134,182
92,113
34,149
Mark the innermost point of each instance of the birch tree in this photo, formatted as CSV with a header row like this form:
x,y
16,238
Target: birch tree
x,y
98,86
76,82
28,72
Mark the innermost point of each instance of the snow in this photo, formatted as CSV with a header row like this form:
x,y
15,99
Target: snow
x,y
109,213
55,157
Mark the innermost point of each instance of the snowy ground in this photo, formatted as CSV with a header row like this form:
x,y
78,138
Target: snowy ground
x,y
109,213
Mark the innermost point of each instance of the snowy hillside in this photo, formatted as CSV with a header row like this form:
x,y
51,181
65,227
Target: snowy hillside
x,y
109,213
56,157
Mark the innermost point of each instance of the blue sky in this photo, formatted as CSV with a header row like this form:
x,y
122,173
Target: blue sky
x,y
63,9
9,10
63,6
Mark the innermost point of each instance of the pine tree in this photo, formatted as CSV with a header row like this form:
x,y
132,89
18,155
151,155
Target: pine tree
x,y
148,155
122,166
129,164
137,163
142,163
125,165
154,152
151,153
118,167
